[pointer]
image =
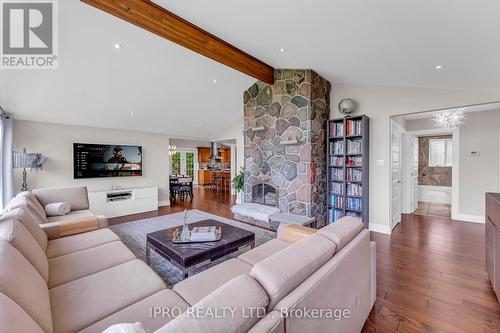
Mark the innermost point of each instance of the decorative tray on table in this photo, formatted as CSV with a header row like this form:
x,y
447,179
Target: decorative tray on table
x,y
177,237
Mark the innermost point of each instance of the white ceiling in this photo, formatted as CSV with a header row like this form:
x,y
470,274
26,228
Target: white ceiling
x,y
170,89
464,109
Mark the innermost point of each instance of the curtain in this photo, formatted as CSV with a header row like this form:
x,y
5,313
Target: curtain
x,y
6,177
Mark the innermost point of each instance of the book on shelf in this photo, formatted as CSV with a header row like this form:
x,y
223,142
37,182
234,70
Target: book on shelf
x,y
354,175
355,146
336,161
335,214
337,188
337,148
204,233
336,130
354,190
354,161
337,201
337,174
354,127
354,203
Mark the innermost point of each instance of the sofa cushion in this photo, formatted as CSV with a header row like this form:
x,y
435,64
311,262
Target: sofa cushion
x,y
76,196
283,271
200,285
83,302
342,231
78,264
14,232
67,245
30,196
24,201
14,319
31,222
147,312
20,281
263,251
273,322
243,294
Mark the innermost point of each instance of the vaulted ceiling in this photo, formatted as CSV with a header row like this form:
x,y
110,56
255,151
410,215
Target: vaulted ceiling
x,y
171,90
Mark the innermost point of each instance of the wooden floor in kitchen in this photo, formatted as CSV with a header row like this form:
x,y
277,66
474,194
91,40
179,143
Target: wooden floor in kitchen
x,y
430,272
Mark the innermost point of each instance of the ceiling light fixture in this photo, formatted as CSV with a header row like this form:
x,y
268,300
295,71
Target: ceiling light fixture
x,y
449,119
132,114
214,81
282,50
438,67
117,46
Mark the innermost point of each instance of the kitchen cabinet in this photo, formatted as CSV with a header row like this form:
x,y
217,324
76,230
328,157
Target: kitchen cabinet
x,y
225,154
492,241
203,155
204,177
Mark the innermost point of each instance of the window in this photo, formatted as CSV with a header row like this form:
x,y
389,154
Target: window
x,y
440,152
176,164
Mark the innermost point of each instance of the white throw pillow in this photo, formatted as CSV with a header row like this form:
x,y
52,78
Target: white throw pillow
x,y
126,328
58,209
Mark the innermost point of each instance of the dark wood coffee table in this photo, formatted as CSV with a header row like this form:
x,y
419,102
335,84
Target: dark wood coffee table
x,y
188,257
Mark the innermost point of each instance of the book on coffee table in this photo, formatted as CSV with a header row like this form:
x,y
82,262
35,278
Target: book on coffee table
x,y
200,234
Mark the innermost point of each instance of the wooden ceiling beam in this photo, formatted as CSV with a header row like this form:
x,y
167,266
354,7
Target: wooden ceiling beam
x,y
156,19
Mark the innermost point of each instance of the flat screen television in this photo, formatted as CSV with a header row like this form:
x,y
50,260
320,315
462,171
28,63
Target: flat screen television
x,y
94,160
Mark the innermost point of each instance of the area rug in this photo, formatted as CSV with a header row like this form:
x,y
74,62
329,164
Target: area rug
x,y
133,234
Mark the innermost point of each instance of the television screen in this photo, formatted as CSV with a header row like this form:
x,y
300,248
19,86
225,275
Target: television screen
x,y
93,160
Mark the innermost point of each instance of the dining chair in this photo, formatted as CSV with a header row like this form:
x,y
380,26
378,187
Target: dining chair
x,y
185,187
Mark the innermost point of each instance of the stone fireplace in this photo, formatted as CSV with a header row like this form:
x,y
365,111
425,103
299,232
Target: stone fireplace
x,y
285,148
265,194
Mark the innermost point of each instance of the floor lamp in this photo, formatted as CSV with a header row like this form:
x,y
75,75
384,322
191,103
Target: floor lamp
x,y
24,160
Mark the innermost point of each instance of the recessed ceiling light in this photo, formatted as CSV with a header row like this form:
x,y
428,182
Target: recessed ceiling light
x,y
201,124
117,46
132,114
282,50
214,81
438,67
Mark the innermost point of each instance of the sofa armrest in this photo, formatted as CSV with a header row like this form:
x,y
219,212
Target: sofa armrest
x,y
292,233
70,227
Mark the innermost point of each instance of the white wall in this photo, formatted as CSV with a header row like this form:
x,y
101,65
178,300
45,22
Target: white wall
x,y
189,144
55,142
382,102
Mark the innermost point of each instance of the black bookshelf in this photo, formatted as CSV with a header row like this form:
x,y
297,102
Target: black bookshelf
x,y
348,168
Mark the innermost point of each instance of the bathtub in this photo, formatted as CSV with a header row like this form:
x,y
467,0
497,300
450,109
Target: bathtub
x,y
437,194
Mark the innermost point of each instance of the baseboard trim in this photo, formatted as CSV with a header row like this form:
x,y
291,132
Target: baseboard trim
x,y
468,218
163,203
380,228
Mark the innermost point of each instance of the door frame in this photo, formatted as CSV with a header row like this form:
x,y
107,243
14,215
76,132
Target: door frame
x,y
455,172
403,132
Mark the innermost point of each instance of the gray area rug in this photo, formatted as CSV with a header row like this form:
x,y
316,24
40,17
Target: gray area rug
x,y
133,234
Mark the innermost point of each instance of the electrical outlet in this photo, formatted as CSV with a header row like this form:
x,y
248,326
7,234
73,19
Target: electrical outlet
x,y
474,153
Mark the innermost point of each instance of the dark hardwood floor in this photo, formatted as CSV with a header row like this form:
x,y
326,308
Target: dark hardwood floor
x,y
431,278
430,272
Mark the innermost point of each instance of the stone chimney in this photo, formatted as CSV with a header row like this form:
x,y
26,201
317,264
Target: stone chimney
x,y
285,140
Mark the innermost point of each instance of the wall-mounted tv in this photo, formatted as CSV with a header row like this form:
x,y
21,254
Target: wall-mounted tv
x,y
94,160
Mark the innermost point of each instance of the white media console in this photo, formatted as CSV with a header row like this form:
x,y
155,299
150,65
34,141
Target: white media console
x,y
125,201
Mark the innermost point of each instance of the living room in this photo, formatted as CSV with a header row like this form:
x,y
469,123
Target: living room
x,y
177,166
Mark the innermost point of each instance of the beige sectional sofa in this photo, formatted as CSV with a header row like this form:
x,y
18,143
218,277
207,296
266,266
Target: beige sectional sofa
x,y
89,281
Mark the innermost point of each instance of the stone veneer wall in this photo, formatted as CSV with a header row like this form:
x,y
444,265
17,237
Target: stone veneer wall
x,y
296,107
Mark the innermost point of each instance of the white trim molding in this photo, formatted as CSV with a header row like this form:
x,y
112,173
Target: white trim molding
x,y
163,203
468,218
380,228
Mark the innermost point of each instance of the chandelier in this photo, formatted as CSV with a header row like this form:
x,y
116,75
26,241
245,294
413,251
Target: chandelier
x,y
172,150
449,119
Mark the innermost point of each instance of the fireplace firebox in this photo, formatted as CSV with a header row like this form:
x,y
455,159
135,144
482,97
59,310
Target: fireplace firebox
x,y
265,194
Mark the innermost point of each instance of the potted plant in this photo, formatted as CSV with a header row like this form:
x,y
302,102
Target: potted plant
x,y
238,182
